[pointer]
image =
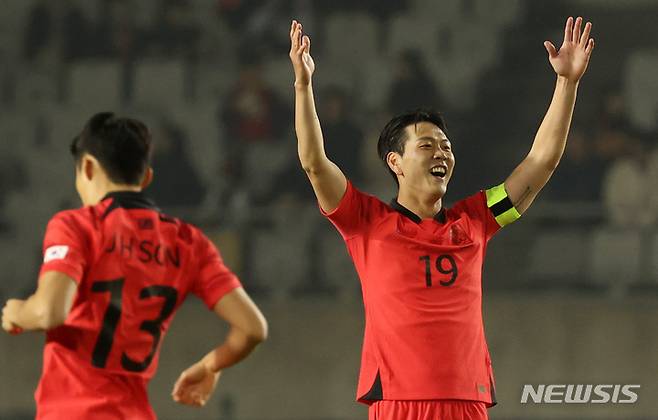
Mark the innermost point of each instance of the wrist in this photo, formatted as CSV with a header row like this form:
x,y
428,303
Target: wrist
x,y
302,86
209,364
566,82
19,316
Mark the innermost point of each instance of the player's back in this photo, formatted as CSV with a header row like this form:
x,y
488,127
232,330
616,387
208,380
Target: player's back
x,y
134,267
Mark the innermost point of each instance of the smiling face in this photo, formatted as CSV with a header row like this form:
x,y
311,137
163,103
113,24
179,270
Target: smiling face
x,y
425,167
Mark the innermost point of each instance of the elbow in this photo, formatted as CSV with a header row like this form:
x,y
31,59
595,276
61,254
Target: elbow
x,y
258,332
310,168
313,164
52,319
546,162
261,333
551,164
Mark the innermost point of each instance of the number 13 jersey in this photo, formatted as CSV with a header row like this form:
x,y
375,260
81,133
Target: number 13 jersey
x,y
422,291
134,267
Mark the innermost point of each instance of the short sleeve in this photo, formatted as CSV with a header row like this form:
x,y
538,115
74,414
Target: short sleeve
x,y
65,247
355,212
491,209
214,278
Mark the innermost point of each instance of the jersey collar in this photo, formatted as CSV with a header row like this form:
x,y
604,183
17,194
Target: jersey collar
x,y
128,200
439,217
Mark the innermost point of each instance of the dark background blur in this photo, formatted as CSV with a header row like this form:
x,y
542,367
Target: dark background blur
x,y
571,290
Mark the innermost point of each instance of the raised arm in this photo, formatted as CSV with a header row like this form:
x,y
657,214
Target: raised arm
x,y
569,63
328,181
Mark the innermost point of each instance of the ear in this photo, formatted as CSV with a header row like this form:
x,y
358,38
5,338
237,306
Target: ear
x,y
148,177
87,167
393,160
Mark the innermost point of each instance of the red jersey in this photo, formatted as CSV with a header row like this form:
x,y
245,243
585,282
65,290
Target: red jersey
x,y
422,291
134,267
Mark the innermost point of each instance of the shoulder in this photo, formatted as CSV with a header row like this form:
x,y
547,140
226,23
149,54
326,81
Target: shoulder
x,y
374,202
356,201
370,203
78,219
357,212
474,204
71,227
190,235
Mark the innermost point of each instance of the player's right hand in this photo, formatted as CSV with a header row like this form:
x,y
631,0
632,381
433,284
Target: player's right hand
x,y
300,55
195,385
9,312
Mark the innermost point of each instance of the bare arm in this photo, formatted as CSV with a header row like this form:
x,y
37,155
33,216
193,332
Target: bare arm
x,y
328,181
47,308
570,64
248,328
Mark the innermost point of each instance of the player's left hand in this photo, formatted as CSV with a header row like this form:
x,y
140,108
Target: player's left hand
x,y
571,60
10,315
195,385
300,55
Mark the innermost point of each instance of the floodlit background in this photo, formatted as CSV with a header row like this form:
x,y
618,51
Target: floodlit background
x,y
571,290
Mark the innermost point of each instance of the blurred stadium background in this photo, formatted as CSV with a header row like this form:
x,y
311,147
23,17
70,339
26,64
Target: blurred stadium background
x,y
571,292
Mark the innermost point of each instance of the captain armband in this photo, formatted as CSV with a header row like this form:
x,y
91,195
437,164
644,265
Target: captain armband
x,y
501,206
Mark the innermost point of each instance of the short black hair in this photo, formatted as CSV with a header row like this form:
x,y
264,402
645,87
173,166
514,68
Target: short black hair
x,y
122,146
393,138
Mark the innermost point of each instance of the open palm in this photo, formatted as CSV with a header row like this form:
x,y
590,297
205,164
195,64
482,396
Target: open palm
x,y
195,385
300,54
574,54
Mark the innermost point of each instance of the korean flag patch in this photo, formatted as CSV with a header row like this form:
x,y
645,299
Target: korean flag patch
x,y
55,252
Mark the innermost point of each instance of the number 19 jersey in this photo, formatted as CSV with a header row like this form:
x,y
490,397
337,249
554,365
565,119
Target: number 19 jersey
x,y
422,292
134,267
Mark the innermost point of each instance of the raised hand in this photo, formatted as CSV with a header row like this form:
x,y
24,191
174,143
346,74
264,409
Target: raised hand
x,y
195,385
571,60
300,55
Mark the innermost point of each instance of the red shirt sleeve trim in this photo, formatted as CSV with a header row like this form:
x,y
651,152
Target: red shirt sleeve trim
x,y
212,298
491,225
341,203
74,271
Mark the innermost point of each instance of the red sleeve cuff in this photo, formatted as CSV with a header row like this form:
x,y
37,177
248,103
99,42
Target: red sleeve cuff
x,y
73,271
212,297
342,203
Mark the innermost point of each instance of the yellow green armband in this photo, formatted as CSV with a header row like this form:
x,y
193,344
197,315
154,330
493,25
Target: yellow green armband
x,y
501,206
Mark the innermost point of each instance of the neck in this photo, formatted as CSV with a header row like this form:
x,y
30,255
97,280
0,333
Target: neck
x,y
121,187
425,207
109,187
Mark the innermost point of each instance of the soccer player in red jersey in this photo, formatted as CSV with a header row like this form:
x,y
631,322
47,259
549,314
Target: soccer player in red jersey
x,y
420,264
113,274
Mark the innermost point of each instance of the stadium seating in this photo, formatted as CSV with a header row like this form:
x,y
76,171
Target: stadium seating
x,y
12,25
558,257
615,257
356,52
159,83
625,198
278,253
642,88
103,96
335,265
276,70
653,259
351,37
652,174
423,38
